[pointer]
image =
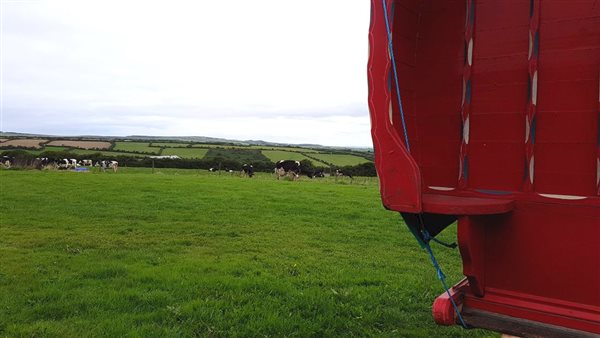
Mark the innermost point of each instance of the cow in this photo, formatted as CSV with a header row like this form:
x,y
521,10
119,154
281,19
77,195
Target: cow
x,y
114,165
315,174
213,170
41,162
287,167
63,163
86,163
7,161
248,170
338,172
73,163
106,164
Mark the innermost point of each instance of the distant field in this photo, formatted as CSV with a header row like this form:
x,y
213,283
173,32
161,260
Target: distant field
x,y
25,143
298,149
50,148
185,152
3,139
208,145
278,155
240,155
189,253
39,151
168,145
105,153
136,146
340,160
302,150
81,144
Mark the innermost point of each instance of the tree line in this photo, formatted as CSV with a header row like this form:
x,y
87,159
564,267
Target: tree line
x,y
221,163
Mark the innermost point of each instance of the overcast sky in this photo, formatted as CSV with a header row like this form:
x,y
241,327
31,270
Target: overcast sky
x,y
276,70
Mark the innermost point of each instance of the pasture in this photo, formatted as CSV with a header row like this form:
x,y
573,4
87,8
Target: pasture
x,y
142,147
278,155
46,148
169,144
191,253
340,159
295,149
107,154
24,143
81,144
185,152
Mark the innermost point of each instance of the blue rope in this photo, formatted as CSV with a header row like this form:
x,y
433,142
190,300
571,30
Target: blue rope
x,y
393,60
442,277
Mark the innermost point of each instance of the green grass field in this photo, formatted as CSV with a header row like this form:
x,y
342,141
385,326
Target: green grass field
x,y
185,152
209,145
135,146
191,253
47,148
239,155
105,153
296,149
340,160
169,144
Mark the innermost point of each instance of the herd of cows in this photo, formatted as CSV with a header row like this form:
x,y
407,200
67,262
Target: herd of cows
x,y
286,168
63,163
293,170
283,168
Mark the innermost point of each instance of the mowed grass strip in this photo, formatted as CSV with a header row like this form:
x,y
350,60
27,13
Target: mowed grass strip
x,y
185,152
143,147
172,254
340,160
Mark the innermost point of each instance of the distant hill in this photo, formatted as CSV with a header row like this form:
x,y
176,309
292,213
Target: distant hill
x,y
194,139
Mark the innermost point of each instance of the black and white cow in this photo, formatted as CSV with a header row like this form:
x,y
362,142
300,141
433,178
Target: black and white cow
x,y
7,161
105,164
63,163
247,170
338,172
114,165
41,162
213,170
290,168
315,174
85,163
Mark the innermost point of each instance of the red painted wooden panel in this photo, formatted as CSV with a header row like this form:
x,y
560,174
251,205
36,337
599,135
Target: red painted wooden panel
x,y
497,123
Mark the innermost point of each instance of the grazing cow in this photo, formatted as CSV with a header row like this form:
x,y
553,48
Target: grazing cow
x,y
213,170
315,174
287,167
247,170
114,165
341,173
41,162
86,163
102,164
7,161
63,163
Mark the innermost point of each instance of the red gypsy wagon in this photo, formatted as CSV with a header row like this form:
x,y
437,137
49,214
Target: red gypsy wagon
x,y
487,112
